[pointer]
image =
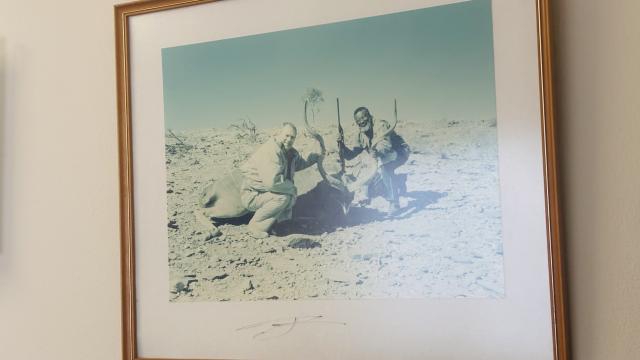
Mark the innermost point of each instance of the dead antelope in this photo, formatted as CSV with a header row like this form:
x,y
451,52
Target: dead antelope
x,y
330,197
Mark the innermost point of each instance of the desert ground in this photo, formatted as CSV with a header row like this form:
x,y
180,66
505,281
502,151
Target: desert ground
x,y
446,241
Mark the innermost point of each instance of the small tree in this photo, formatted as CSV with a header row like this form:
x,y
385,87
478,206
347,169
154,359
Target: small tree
x,y
314,98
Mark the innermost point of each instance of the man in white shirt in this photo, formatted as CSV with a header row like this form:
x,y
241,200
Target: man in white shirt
x,y
268,189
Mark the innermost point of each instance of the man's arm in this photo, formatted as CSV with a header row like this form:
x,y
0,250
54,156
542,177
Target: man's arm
x,y
269,171
302,163
349,154
284,187
383,146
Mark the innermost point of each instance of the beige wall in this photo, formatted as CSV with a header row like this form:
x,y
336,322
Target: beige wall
x,y
598,87
59,254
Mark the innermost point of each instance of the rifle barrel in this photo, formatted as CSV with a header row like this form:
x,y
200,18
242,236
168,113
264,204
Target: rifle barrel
x,y
338,106
341,132
395,109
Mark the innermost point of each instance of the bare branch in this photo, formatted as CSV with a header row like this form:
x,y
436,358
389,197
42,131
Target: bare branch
x,y
176,137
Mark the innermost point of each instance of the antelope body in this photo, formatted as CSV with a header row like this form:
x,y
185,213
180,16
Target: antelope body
x,y
330,198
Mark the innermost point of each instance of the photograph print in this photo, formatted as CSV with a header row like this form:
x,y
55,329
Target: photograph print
x,y
350,160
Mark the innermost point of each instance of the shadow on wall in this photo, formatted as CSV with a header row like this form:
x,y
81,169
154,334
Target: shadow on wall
x,y
3,111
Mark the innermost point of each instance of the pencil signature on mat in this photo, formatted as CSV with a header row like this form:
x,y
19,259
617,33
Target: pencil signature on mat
x,y
282,326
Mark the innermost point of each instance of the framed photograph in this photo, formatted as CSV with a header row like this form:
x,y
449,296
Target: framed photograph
x,y
338,180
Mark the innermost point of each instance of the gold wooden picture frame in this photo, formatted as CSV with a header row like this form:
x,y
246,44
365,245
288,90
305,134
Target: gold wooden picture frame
x,y
177,325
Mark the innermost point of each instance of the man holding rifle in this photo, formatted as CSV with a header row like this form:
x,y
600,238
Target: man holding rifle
x,y
381,151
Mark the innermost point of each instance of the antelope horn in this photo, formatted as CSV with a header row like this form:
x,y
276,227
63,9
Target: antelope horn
x,y
392,127
333,182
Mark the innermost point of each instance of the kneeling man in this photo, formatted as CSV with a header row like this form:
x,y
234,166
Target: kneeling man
x,y
267,188
383,152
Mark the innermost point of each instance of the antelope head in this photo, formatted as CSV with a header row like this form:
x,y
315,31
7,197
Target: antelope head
x,y
338,184
389,127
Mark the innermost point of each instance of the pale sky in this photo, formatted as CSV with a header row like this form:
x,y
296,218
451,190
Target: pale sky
x,y
437,62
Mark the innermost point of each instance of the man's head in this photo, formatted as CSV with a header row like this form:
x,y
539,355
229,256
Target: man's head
x,y
362,117
287,135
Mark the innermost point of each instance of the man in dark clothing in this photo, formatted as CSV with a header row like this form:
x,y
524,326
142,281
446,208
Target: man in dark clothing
x,y
380,153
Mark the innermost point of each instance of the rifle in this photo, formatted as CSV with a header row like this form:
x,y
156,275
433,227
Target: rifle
x,y
395,110
340,139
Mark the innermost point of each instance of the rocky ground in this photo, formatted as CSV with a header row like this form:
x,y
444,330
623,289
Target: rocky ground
x,y
446,241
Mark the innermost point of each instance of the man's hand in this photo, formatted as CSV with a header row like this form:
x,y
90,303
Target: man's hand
x,y
340,138
382,148
314,158
285,187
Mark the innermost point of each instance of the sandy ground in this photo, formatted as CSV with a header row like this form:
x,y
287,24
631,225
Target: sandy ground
x,y
446,242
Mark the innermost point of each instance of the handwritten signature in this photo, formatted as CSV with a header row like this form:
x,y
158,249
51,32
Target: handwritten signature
x,y
282,326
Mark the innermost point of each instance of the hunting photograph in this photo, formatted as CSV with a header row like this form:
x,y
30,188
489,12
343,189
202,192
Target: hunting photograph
x,y
350,160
